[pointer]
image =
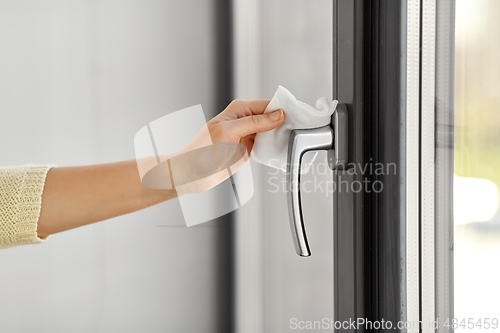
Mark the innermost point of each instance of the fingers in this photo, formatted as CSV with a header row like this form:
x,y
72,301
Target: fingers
x,y
241,108
258,106
256,123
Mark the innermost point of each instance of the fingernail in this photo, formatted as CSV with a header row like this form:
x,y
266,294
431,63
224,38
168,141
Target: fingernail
x,y
276,115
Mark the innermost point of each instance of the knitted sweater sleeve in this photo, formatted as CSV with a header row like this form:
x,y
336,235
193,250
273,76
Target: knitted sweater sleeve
x,y
20,202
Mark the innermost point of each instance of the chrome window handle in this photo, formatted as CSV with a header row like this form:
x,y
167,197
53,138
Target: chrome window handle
x,y
302,141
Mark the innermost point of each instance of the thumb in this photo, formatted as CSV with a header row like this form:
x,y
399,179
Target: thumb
x,y
256,123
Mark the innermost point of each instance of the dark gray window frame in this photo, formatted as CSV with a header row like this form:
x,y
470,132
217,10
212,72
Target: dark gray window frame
x,y
370,229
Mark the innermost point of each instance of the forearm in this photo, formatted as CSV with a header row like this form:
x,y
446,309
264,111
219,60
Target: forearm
x,y
77,196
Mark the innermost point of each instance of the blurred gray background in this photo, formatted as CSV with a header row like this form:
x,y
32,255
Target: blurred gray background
x,y
78,79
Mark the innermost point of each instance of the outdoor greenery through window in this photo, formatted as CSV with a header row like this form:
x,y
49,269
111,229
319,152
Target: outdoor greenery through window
x,y
477,161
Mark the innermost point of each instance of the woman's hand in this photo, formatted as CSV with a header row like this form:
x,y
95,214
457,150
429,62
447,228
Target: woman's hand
x,y
217,140
242,120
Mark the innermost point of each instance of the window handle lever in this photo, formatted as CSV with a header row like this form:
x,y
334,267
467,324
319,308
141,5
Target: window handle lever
x,y
302,141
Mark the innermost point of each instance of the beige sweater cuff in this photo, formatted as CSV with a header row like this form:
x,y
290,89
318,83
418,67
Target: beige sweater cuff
x,y
21,191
